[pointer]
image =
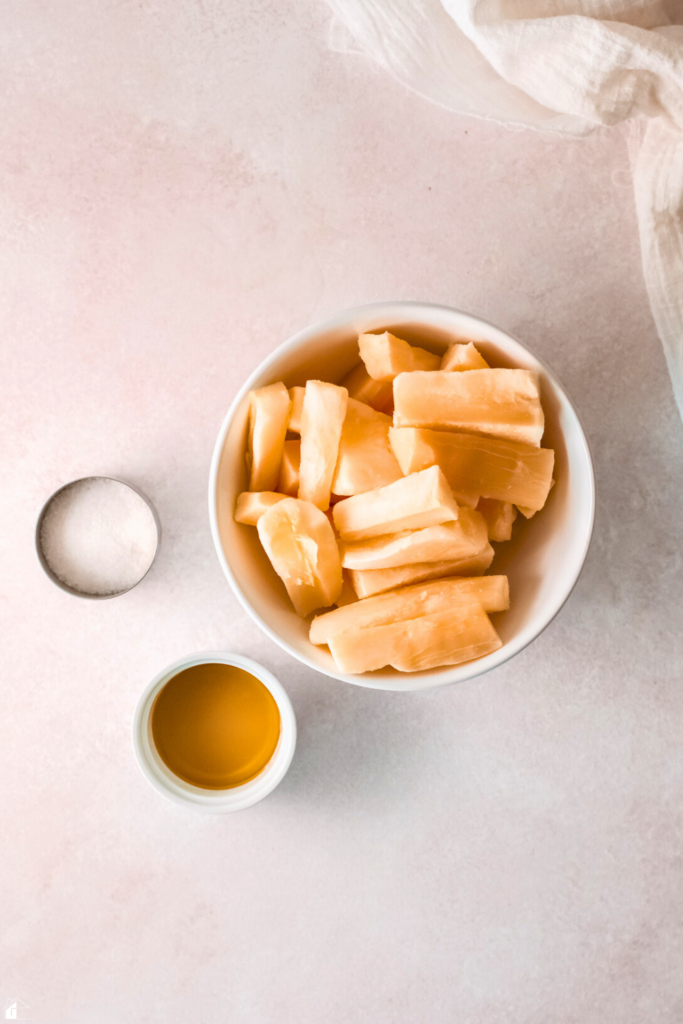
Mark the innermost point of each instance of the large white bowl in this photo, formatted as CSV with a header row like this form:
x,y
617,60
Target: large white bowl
x,y
544,558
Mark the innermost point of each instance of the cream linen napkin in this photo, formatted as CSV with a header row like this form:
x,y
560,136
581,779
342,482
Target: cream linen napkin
x,y
561,66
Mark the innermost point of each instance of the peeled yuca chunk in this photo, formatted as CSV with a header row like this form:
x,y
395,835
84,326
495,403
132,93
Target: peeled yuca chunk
x,y
301,546
499,516
288,481
296,396
445,638
367,582
447,541
504,470
411,503
375,393
251,505
530,512
268,415
385,356
365,459
496,403
322,419
463,356
491,592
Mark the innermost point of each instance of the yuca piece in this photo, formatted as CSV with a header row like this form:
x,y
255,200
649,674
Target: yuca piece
x,y
463,356
446,638
365,459
496,403
491,592
530,512
268,415
448,541
504,470
301,546
411,503
322,419
296,396
499,516
385,356
288,481
251,505
367,582
377,394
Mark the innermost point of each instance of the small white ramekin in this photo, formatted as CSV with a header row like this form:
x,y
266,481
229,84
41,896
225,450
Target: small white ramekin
x,y
213,801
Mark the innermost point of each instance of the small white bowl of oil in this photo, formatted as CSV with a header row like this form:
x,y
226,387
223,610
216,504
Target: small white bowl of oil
x,y
215,732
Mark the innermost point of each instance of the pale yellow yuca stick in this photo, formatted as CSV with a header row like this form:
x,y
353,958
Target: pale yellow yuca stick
x,y
463,356
322,419
505,470
375,393
447,541
268,415
499,516
365,459
411,503
385,356
251,505
301,546
288,481
497,403
367,582
446,638
491,592
296,396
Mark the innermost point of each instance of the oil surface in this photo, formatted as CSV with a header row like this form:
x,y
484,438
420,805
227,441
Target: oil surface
x,y
215,726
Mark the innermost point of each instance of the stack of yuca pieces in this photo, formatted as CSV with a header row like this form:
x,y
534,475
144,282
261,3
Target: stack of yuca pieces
x,y
382,496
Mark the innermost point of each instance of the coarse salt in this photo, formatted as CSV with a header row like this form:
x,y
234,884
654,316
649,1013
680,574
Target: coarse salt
x,y
99,536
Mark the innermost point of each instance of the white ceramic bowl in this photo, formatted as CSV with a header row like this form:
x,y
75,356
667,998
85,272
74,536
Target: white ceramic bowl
x,y
215,801
544,558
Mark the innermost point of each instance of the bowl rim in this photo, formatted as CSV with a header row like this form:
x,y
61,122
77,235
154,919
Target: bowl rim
x,y
481,666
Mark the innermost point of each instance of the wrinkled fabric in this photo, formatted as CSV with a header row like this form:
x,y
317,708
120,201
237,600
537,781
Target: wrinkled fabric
x,y
560,66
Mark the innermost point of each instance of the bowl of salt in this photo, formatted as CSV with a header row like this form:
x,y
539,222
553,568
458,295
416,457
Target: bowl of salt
x,y
97,537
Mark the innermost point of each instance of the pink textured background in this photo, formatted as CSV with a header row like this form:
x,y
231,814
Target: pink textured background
x,y
184,185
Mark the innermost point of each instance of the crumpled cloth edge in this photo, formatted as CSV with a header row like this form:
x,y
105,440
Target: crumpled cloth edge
x,y
656,147
658,189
